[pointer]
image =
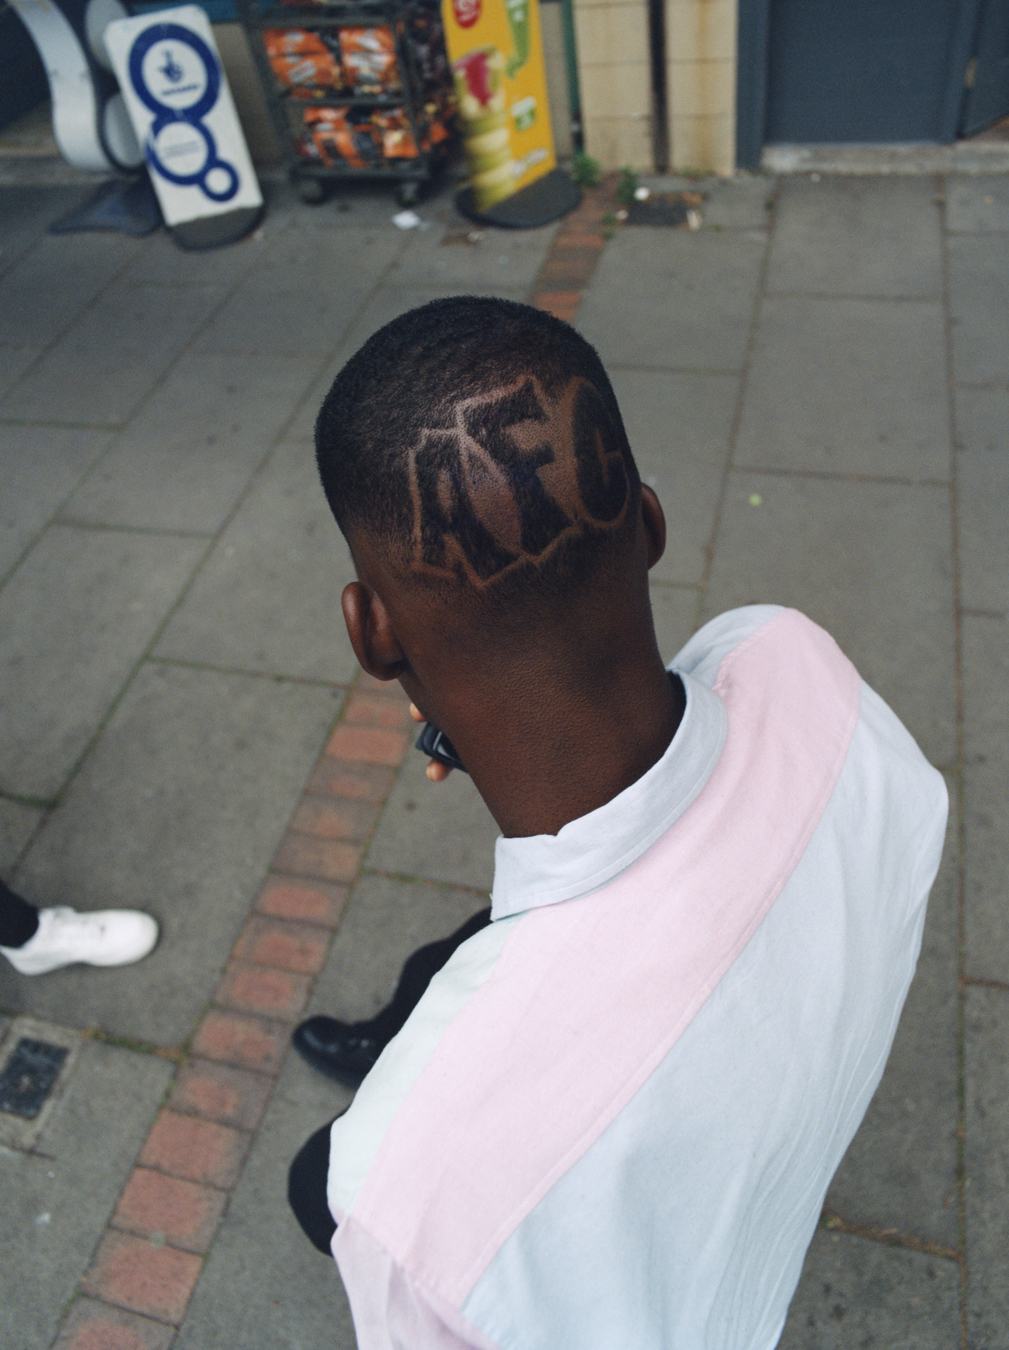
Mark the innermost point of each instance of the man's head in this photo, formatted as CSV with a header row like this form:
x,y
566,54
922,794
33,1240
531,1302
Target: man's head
x,y
474,456
479,445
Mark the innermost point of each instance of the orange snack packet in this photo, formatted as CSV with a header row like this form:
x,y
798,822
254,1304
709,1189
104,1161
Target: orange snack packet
x,y
293,42
303,73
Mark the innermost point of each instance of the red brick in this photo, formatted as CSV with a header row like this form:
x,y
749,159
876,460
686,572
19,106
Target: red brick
x,y
301,947
364,782
334,818
367,684
194,1149
144,1278
561,304
246,1042
371,710
330,816
566,272
181,1213
219,1092
367,745
328,859
313,902
580,239
261,989
96,1326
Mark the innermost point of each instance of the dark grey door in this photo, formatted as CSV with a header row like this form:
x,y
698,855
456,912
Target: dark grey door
x,y
23,80
988,96
866,70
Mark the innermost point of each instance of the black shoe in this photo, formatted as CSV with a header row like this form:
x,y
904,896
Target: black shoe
x,y
341,1050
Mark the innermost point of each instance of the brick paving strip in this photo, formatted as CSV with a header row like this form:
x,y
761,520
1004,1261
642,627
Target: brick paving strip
x,y
136,1291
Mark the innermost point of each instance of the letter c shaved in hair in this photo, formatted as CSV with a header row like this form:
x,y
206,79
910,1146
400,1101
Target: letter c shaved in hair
x,y
602,474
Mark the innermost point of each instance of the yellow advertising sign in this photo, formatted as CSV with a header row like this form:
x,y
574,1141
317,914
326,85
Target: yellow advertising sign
x,y
496,54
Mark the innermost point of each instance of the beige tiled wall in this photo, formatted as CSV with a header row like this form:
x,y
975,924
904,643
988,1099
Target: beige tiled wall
x,y
701,84
613,71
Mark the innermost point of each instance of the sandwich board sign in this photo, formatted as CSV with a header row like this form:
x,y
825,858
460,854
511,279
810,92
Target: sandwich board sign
x,y
184,116
496,54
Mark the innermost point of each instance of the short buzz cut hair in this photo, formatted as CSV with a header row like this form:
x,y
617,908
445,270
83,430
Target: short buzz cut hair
x,y
461,398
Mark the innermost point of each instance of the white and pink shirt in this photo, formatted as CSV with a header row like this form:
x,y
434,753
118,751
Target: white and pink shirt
x,y
612,1119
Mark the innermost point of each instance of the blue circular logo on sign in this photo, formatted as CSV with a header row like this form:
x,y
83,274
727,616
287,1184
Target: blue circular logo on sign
x,y
176,76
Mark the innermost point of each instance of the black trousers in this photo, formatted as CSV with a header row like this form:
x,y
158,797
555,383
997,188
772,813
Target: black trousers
x,y
306,1179
18,919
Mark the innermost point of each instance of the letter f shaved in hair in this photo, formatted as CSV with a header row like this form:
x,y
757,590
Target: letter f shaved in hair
x,y
479,443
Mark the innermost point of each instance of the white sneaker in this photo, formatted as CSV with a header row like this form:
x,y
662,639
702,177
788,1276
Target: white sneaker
x,y
104,937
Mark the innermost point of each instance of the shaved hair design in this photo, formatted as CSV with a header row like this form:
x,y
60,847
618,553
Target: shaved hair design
x,y
480,443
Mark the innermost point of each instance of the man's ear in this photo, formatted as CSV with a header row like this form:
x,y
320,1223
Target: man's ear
x,y
654,520
371,634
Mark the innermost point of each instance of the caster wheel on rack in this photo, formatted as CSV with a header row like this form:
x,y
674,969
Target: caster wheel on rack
x,y
408,194
311,191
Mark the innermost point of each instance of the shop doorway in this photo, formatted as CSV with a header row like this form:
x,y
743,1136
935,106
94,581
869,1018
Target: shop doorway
x,y
869,71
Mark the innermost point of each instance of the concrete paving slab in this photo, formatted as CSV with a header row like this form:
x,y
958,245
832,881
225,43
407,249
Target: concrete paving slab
x,y
14,361
264,1284
268,597
986,796
17,825
189,454
385,921
40,466
443,256
26,211
900,1171
806,405
871,562
729,203
76,616
303,293
56,1198
177,811
112,357
987,1165
738,203
979,307
859,1293
350,205
438,831
857,236
55,280
977,205
669,299
674,610
679,426
982,470
162,263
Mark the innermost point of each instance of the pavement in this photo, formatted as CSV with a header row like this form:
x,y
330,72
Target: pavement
x,y
816,382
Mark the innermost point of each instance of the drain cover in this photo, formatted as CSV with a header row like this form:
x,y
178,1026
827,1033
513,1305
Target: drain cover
x,y
29,1075
665,208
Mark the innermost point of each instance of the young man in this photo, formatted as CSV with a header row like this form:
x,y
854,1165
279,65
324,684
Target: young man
x,y
613,1115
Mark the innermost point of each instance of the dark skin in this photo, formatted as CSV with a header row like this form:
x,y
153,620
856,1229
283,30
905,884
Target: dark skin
x,y
551,727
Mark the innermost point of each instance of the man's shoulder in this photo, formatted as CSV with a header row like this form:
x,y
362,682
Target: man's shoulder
x,y
714,640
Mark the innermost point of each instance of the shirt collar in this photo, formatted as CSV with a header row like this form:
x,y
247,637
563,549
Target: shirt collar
x,y
543,869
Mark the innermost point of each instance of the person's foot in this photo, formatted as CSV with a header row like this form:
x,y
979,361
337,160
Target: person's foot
x,y
104,937
341,1050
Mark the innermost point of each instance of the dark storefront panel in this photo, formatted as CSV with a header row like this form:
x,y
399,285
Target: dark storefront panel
x,y
988,97
869,71
23,81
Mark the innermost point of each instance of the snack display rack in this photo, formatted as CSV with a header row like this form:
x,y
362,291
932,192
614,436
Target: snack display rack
x,y
356,89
